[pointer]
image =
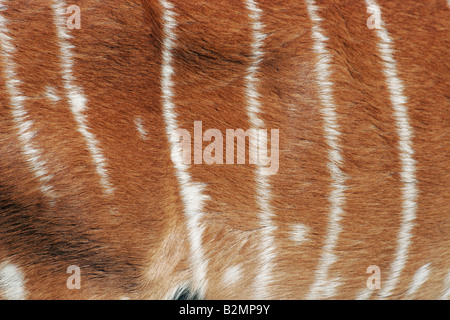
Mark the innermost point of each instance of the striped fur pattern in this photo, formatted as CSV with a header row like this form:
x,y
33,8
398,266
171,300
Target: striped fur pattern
x,y
91,174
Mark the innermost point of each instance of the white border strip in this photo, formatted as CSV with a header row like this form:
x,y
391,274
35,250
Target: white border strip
x,y
76,97
323,287
191,193
406,153
20,116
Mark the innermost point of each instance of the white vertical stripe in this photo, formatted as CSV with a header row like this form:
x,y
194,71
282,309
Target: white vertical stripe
x,y
191,193
419,278
323,287
406,153
20,116
12,281
76,97
263,278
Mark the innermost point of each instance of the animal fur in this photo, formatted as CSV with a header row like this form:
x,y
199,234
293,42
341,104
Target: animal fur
x,y
134,241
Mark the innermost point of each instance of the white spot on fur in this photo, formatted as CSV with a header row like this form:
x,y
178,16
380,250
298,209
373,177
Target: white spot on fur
x,y
20,116
406,153
323,286
232,275
12,282
76,97
192,193
263,189
140,128
419,278
299,233
51,95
